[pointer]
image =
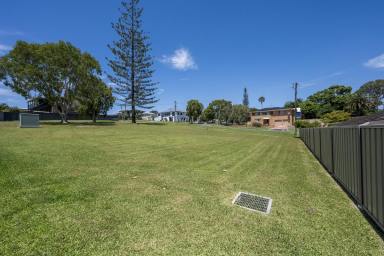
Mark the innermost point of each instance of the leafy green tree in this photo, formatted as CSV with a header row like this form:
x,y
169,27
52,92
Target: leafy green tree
x,y
95,98
194,110
245,98
54,71
222,110
208,114
262,100
291,104
336,116
3,107
132,63
333,98
240,114
373,92
6,108
309,109
358,105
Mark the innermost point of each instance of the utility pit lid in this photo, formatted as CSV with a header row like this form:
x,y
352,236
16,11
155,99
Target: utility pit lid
x,y
253,202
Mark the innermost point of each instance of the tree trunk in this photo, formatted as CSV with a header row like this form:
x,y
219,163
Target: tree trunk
x,y
133,68
94,117
133,114
62,112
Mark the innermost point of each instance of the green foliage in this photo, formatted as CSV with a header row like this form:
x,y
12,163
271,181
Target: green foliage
x,y
358,105
291,104
240,114
309,109
208,114
307,124
95,98
132,63
258,125
55,71
333,98
245,98
336,116
6,108
373,92
3,107
261,100
194,110
220,110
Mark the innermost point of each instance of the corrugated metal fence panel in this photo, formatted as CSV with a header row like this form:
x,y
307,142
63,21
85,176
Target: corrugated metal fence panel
x,y
317,147
312,139
326,148
372,140
346,150
304,135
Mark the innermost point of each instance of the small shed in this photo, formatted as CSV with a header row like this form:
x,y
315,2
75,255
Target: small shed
x,y
28,120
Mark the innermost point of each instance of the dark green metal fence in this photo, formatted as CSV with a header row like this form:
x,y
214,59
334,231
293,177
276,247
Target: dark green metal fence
x,y
354,156
372,140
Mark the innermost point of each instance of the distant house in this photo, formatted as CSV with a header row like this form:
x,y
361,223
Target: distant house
x,y
39,104
277,118
172,116
149,116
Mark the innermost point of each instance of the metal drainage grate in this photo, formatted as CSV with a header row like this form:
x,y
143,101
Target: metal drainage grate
x,y
253,202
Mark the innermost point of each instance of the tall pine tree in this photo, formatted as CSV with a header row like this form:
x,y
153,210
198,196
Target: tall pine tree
x,y
245,98
132,63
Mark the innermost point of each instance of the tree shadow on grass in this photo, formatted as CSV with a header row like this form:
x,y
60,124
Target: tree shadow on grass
x,y
79,123
142,123
149,123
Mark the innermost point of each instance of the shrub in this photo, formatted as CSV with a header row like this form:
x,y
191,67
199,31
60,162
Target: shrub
x,y
5,108
307,124
335,117
256,125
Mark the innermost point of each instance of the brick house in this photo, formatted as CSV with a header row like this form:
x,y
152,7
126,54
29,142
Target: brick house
x,y
276,118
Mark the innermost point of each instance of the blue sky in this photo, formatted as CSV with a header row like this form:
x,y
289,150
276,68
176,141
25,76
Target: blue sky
x,y
213,49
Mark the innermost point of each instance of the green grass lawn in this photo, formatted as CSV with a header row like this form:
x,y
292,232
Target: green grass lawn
x,y
122,189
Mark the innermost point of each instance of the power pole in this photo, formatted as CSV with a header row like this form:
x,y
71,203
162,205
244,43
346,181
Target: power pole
x,y
295,86
175,115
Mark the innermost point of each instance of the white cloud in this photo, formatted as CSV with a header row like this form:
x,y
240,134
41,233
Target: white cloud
x,y
377,62
11,33
4,48
181,59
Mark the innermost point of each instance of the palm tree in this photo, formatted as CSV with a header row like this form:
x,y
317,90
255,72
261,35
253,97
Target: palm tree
x,y
261,100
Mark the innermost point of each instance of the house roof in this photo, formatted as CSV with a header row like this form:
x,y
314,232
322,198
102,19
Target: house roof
x,y
172,110
373,119
270,109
